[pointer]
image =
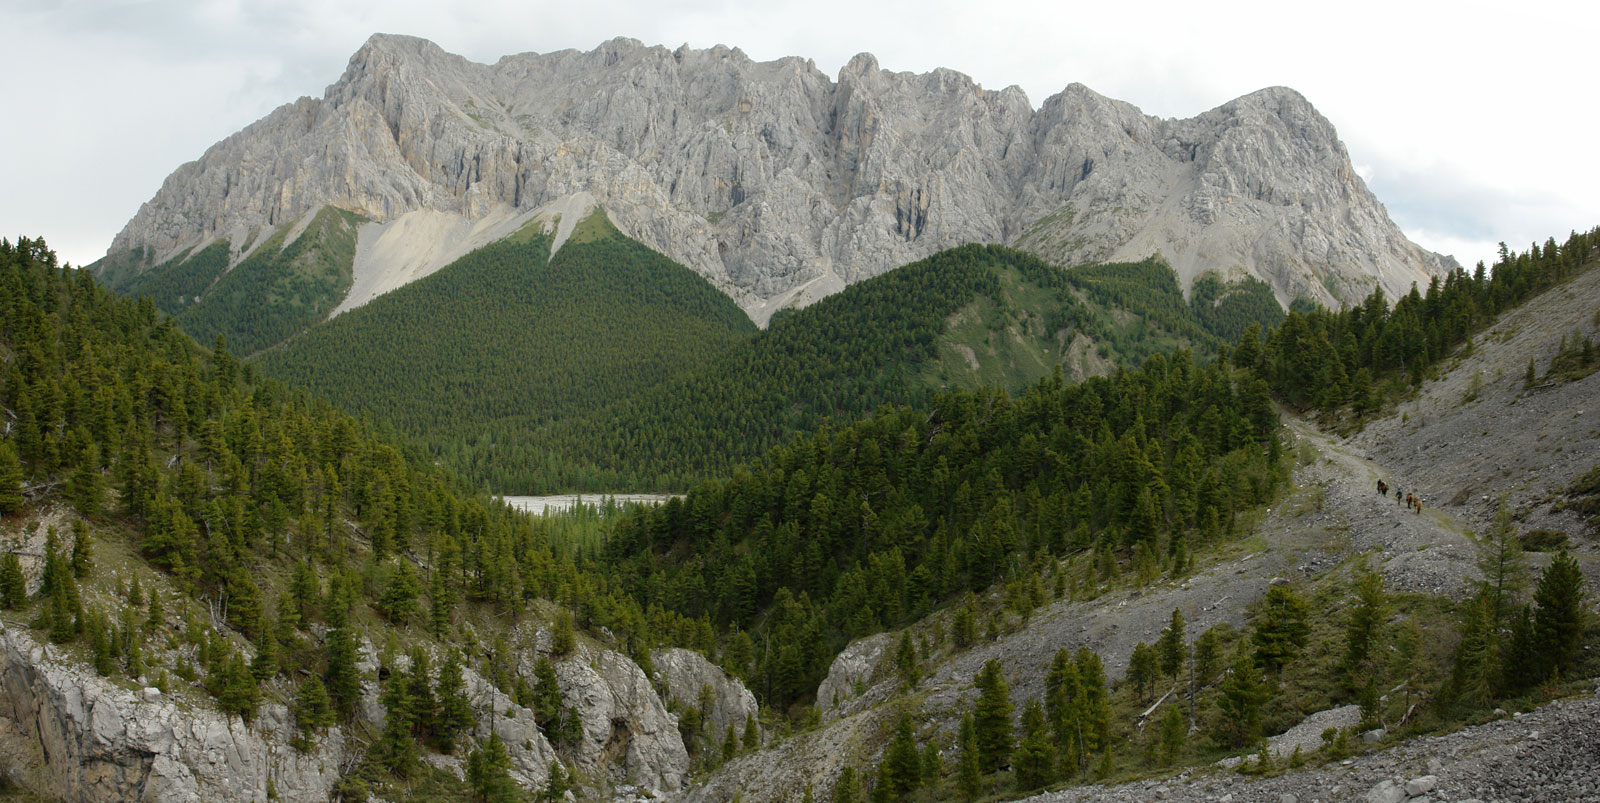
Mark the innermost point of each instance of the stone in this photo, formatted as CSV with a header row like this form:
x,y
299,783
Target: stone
x,y
1421,786
780,184
1374,736
1386,792
1288,798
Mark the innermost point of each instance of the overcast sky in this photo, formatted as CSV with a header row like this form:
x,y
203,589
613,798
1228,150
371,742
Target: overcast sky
x,y
1473,122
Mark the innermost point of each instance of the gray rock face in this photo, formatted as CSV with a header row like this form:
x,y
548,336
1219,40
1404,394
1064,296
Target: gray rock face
x,y
628,734
72,735
686,672
853,670
779,184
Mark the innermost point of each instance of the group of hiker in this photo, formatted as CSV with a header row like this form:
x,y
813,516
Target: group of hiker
x,y
1409,500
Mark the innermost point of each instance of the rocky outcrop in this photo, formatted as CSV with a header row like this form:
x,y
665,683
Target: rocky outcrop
x,y
628,734
72,735
685,673
853,670
781,185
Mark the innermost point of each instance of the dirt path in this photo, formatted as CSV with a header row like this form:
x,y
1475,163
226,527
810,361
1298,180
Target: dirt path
x,y
1430,552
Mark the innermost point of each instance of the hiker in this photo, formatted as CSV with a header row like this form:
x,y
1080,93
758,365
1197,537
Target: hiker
x,y
1398,499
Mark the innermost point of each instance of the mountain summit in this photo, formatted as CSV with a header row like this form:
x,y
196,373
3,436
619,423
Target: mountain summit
x,y
780,185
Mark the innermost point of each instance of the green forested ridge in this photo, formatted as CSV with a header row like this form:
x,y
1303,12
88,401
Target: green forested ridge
x,y
609,367
119,269
176,284
507,339
893,339
279,290
274,293
1216,313
1345,365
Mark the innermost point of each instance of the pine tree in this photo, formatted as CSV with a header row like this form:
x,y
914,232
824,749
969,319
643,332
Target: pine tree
x,y
752,735
265,664
82,549
1172,734
969,772
901,771
1172,647
455,710
399,598
963,627
1207,656
13,586
992,716
489,773
1366,621
905,660
1142,667
342,678
10,479
932,764
1503,567
1063,699
1035,760
239,694
1239,704
563,640
557,784
155,612
1281,630
1096,705
1558,616
311,707
844,787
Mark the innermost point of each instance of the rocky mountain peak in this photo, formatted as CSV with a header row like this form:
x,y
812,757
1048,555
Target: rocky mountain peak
x,y
780,184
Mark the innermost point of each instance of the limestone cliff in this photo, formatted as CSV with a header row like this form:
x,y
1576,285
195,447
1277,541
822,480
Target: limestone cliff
x,y
780,184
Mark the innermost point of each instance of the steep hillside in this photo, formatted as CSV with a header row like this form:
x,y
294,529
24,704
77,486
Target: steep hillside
x,y
1482,431
781,185
970,317
512,337
254,294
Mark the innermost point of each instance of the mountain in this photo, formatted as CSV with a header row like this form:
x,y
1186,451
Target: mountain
x,y
777,183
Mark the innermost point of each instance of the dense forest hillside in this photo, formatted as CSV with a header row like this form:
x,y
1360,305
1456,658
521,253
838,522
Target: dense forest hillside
x,y
510,338
971,317
281,287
